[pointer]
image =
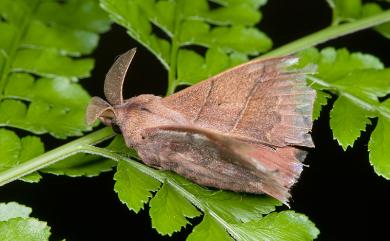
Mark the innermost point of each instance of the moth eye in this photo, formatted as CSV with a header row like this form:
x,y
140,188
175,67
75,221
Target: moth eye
x,y
116,128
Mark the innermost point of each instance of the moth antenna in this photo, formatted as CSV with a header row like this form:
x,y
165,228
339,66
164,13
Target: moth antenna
x,y
113,84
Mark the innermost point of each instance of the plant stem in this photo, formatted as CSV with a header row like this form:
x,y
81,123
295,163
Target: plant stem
x,y
172,72
172,69
54,155
83,144
329,33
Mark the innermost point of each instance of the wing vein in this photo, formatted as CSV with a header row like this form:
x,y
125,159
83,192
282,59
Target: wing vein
x,y
205,101
247,100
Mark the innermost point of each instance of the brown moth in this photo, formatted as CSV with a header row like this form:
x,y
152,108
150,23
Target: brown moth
x,y
240,130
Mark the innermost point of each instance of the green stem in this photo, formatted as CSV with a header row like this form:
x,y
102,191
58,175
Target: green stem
x,y
329,33
173,58
172,69
55,155
83,144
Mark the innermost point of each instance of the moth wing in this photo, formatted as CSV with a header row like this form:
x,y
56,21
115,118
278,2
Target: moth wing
x,y
260,101
212,159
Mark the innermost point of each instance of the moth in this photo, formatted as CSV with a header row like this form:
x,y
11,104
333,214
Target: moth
x,y
242,130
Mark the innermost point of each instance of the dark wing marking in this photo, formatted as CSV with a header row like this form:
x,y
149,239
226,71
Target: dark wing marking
x,y
216,160
259,101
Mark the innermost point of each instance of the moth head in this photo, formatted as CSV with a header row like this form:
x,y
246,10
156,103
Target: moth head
x,y
113,85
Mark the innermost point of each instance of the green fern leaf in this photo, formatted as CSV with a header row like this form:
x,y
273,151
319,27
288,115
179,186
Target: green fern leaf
x,y
286,225
359,80
354,115
134,188
370,9
13,210
209,230
192,67
45,44
379,144
345,10
40,63
16,225
320,101
169,210
227,32
351,10
226,214
81,165
15,151
51,102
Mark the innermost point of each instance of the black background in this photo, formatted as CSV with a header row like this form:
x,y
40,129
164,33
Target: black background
x,y
339,192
